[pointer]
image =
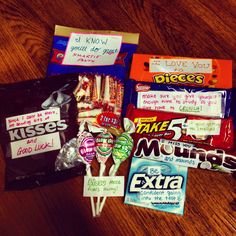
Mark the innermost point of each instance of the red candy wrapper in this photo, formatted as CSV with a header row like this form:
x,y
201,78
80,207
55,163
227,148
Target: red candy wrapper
x,y
163,136
212,132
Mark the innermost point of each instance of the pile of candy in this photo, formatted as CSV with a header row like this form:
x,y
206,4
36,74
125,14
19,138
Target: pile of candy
x,y
181,111
175,114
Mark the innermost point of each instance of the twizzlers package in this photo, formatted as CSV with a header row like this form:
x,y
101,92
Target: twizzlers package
x,y
199,72
102,60
38,131
208,102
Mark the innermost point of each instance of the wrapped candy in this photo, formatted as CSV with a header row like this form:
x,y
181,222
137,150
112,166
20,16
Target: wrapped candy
x,y
104,145
86,152
121,150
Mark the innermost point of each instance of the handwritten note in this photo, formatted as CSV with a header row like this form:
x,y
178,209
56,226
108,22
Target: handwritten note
x,y
181,65
203,127
112,186
32,146
200,103
33,118
161,196
92,49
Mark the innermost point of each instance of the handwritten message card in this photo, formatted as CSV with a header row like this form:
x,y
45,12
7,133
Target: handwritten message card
x,y
112,186
181,65
34,133
203,127
92,49
33,118
32,146
205,104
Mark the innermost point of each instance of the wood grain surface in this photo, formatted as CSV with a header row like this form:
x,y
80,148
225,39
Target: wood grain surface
x,y
194,28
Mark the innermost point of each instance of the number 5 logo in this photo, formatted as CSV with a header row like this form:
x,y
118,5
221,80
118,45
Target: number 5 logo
x,y
176,126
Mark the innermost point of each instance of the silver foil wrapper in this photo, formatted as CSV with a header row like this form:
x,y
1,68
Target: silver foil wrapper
x,y
68,156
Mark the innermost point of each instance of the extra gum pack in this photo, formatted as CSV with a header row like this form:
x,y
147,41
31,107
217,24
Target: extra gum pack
x,y
212,73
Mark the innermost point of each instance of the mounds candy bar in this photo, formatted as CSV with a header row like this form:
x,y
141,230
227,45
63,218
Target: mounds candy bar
x,y
156,185
218,133
102,60
199,72
185,154
38,129
207,102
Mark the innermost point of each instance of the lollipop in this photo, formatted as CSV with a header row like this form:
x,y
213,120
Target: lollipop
x,y
104,145
121,151
86,152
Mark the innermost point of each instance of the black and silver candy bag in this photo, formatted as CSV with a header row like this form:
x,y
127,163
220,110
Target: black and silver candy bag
x,y
38,126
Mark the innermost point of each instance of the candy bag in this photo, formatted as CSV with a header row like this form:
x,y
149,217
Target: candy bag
x,y
208,102
102,60
38,127
186,71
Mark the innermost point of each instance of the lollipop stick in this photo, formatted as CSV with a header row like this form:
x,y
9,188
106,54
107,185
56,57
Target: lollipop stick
x,y
112,172
88,172
101,172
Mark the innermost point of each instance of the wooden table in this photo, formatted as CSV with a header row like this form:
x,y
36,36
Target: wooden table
x,y
185,28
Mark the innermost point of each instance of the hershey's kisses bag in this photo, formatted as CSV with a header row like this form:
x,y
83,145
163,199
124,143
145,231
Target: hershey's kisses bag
x,y
37,132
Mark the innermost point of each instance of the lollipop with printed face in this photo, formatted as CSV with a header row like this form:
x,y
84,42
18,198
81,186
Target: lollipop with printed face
x,y
86,152
104,144
121,150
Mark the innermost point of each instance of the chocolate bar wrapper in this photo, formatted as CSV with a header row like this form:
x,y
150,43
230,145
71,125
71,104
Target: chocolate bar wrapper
x,y
184,71
214,132
185,154
100,88
207,102
38,130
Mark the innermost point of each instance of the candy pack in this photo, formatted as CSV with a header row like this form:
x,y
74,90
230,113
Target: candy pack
x,y
102,60
183,71
156,185
207,102
38,131
213,132
233,110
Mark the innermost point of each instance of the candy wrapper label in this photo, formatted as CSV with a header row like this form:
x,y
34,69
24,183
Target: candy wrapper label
x,y
104,145
211,73
184,154
207,102
86,145
156,185
124,143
